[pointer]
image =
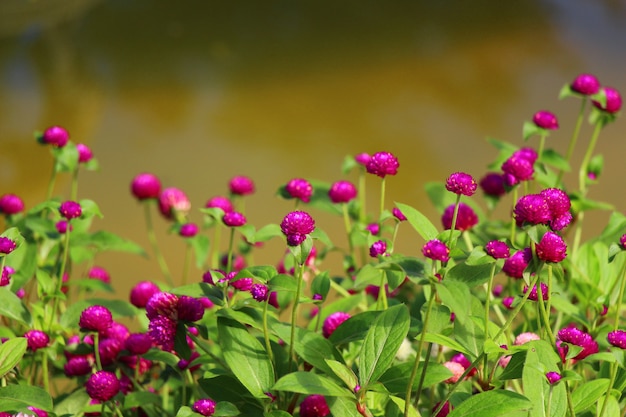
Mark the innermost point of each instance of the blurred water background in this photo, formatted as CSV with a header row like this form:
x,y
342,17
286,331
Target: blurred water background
x,y
199,91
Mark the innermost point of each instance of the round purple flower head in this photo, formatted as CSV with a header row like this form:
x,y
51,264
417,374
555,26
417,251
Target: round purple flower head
x,y
145,186
622,241
445,410
534,296
242,284
162,330
553,377
296,226
585,84
492,184
545,120
398,214
99,273
241,185
6,245
38,412
299,188
188,230
515,264
362,158
102,386
234,219
11,204
36,339
516,169
70,210
259,292
497,249
577,337
373,228
382,164
436,250
5,279
77,366
333,321
172,201
613,101
55,136
62,227
204,406
162,304
314,406
84,153
342,192
220,202
95,318
465,219
617,338
558,201
142,292
378,248
189,308
507,302
551,248
532,209
461,183
108,350
138,343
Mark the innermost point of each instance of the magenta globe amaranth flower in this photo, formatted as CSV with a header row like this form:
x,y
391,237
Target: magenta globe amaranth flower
x,y
461,183
162,330
492,184
507,302
436,250
95,318
84,153
553,377
532,209
551,248
577,337
78,366
173,201
457,371
204,406
221,202
382,164
497,249
189,308
373,228
259,292
525,337
515,264
70,210
99,273
299,188
145,186
296,226
378,248
38,412
333,321
55,136
622,241
362,158
342,192
63,226
617,338
241,185
188,230
11,204
465,220
102,385
613,101
585,84
234,219
162,304
534,296
36,339
314,406
6,245
445,409
397,213
545,120
142,292
138,343
517,168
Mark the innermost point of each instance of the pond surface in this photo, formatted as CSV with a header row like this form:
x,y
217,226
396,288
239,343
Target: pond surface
x,y
198,91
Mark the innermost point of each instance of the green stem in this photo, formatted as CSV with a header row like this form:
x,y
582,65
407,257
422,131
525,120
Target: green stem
x,y
454,216
549,402
155,245
361,192
382,292
468,241
382,199
231,241
513,224
348,226
266,333
294,313
608,391
66,249
44,366
53,178
618,307
572,143
96,346
488,299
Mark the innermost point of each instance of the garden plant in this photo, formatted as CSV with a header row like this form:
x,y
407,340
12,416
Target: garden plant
x,y
503,308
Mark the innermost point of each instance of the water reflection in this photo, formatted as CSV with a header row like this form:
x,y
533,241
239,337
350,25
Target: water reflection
x,y
200,91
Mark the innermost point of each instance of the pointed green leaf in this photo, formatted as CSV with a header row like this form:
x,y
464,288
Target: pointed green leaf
x,y
354,328
540,359
396,378
472,275
494,403
586,395
420,223
343,372
309,383
11,353
19,397
12,307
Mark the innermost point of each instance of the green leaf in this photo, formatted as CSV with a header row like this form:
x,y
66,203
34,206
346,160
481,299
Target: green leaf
x,y
267,232
321,284
396,378
529,129
65,158
555,159
401,403
354,328
118,308
73,404
382,342
90,209
11,353
141,398
185,411
246,357
515,366
228,388
277,413
19,397
472,275
284,282
420,223
309,383
12,307
200,245
448,342
158,355
540,359
225,409
107,241
586,395
343,372
367,275
493,403
342,407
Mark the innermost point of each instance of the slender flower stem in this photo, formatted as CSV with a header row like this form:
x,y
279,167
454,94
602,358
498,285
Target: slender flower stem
x,y
549,402
96,348
361,192
52,181
155,245
266,333
231,241
513,224
420,347
454,216
294,313
44,370
348,226
488,299
66,249
382,292
382,198
572,143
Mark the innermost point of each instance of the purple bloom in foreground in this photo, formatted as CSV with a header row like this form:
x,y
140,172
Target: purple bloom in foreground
x,y
585,84
492,184
299,188
172,201
189,308
241,185
142,292
220,202
534,296
545,120
333,321
378,248
138,343
461,183
515,264
11,204
84,153
162,330
204,406
314,406
553,377
613,101
617,338
6,245
77,366
296,226
382,164
577,337
507,302
497,249
145,186
517,168
436,250
398,214
466,217
55,136
70,210
551,248
36,339
342,192
242,284
95,318
162,304
373,228
259,292
532,209
102,386
188,230
234,219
